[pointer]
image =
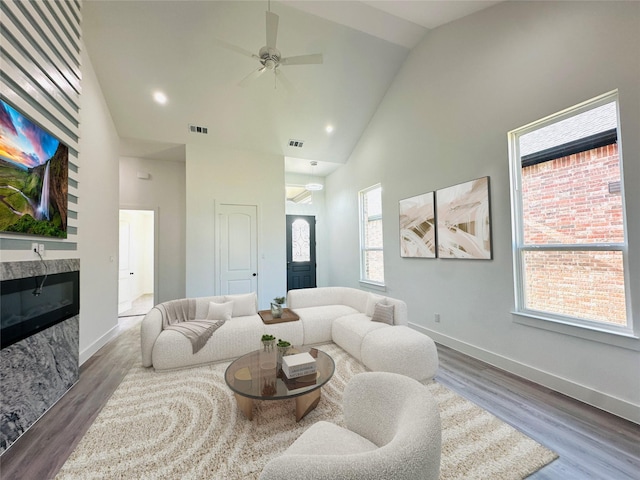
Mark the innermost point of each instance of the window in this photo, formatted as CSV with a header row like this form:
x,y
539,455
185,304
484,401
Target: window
x,y
570,248
371,254
300,241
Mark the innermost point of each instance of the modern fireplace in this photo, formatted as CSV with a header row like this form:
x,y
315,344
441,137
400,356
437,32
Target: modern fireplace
x,y
39,359
30,305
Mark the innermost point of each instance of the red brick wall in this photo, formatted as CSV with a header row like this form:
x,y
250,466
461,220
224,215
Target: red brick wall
x,y
567,201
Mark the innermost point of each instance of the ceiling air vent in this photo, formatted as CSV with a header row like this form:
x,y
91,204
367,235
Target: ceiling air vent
x,y
295,143
198,129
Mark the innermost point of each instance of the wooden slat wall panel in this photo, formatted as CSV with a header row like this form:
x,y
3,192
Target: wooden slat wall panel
x,y
22,80
40,75
65,23
74,8
71,15
21,58
38,58
34,28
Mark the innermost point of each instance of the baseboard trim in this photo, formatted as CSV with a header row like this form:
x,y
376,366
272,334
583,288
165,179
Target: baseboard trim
x,y
601,400
91,350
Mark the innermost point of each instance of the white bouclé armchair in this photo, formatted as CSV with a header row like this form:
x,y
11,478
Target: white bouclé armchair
x,y
392,432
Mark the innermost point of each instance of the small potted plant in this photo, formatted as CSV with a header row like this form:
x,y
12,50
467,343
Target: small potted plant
x,y
283,348
268,342
276,307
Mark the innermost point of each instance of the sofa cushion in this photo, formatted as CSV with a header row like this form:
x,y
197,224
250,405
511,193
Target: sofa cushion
x,y
316,321
383,314
202,304
372,301
220,311
349,331
241,335
400,349
244,304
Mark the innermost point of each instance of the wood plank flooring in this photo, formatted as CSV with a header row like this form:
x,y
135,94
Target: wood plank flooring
x,y
592,444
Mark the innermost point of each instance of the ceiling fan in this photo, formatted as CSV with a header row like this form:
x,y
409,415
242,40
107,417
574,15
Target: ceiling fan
x,y
269,56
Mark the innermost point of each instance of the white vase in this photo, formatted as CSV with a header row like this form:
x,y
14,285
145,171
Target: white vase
x,y
276,310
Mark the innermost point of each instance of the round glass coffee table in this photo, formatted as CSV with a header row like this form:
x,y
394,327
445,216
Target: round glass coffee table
x,y
256,376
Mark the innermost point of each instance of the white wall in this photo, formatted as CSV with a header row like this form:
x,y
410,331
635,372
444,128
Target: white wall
x,y
163,192
444,121
217,176
97,216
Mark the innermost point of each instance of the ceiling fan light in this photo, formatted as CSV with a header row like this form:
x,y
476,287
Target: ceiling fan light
x,y
314,187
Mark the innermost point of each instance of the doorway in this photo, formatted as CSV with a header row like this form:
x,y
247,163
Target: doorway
x,y
136,260
237,257
301,251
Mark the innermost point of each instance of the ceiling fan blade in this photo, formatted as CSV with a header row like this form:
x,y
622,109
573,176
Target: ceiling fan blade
x,y
272,29
314,58
282,78
251,77
234,48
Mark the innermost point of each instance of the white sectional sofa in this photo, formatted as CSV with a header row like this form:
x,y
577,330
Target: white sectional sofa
x,y
343,315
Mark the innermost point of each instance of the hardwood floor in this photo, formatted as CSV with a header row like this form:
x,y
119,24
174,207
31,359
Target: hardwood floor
x,y
40,452
592,444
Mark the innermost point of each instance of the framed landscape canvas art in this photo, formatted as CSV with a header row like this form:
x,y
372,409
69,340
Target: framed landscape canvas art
x,y
464,220
33,177
418,227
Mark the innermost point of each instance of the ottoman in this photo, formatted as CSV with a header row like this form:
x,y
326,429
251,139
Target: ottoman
x,y
402,350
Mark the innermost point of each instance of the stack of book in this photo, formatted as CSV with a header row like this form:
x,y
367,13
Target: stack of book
x,y
300,382
298,365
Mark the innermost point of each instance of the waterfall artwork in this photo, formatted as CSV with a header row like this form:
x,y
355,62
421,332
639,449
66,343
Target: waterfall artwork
x,y
33,177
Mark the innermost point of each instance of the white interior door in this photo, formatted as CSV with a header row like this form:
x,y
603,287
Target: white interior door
x,y
238,249
124,268
136,259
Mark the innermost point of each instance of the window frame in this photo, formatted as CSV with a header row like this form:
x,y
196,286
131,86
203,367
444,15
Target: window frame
x,y
363,247
600,331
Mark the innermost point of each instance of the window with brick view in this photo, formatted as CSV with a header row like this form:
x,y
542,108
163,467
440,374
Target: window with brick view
x,y
570,235
371,246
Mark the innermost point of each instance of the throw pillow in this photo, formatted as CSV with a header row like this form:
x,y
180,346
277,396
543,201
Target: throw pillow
x,y
383,313
372,300
243,305
220,311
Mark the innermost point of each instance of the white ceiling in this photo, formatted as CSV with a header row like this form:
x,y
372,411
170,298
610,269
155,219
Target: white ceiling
x,y
137,47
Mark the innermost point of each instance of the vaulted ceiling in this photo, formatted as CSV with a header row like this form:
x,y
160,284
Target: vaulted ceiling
x,y
182,49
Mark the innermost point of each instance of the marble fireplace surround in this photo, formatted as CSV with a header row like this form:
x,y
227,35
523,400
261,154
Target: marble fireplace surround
x,y
37,371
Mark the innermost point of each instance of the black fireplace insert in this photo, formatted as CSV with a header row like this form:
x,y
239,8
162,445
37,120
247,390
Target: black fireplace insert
x,y
30,305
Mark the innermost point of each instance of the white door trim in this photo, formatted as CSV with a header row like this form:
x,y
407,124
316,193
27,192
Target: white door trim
x,y
156,239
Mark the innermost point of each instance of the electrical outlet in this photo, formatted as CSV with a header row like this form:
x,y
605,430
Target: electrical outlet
x,y
437,318
41,249
34,247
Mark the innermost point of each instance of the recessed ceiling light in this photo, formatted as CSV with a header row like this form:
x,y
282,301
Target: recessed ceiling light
x,y
160,98
329,128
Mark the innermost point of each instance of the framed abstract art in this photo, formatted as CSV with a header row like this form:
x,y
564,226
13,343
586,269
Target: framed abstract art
x,y
464,220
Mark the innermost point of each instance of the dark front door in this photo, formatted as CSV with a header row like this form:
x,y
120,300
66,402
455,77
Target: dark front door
x,y
301,251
